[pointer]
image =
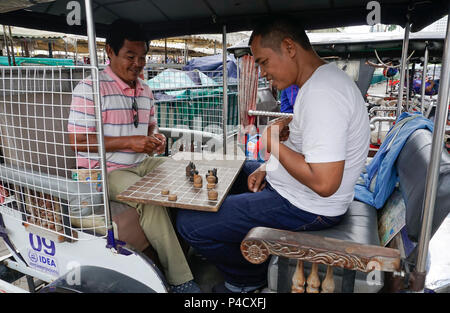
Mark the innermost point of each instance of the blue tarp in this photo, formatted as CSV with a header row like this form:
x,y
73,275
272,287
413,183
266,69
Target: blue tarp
x,y
213,65
36,61
381,176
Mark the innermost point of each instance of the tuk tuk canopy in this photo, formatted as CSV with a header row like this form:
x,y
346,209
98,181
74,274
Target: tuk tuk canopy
x,y
169,18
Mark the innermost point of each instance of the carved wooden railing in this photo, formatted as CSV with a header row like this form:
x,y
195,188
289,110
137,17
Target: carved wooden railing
x,y
260,242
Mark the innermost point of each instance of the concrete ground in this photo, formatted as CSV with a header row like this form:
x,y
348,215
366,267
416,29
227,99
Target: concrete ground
x,y
22,282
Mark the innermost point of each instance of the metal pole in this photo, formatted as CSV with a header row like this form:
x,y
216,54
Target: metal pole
x,y
50,50
185,51
225,89
65,47
76,51
407,86
98,110
424,76
7,45
12,46
165,50
402,68
436,152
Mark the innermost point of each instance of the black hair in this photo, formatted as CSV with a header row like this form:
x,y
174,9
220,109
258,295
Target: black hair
x,y
274,29
122,29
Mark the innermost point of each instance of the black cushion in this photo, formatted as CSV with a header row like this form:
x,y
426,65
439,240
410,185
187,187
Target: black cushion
x,y
412,165
358,225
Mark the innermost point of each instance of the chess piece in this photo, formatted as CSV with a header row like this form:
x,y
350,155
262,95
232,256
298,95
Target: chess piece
x,y
328,283
212,195
193,173
298,279
210,186
212,173
172,197
165,192
198,181
189,168
313,279
211,179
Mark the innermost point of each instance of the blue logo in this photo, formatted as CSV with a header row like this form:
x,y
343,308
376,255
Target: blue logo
x,y
33,256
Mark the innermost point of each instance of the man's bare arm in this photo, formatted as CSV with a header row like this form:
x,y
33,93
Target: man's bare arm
x,y
88,142
322,178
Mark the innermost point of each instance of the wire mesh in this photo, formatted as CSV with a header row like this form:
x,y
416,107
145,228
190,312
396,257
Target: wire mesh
x,y
38,168
193,100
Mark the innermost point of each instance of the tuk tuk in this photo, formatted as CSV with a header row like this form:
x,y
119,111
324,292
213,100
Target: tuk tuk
x,y
65,235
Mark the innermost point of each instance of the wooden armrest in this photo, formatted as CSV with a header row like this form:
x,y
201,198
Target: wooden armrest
x,y
262,241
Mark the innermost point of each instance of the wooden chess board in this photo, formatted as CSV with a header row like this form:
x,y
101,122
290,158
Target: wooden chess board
x,y
171,175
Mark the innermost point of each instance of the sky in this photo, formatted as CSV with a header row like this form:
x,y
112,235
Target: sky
x,y
437,26
364,29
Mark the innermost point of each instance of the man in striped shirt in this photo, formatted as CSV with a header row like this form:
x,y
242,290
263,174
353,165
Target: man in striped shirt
x,y
130,135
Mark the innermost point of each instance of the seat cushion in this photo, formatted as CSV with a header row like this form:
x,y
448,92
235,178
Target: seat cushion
x,y
412,165
359,225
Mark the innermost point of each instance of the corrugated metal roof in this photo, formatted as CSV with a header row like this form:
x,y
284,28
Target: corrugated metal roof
x,y
21,32
12,5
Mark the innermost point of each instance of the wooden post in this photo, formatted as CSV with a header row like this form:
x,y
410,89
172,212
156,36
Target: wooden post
x,y
313,279
298,279
328,283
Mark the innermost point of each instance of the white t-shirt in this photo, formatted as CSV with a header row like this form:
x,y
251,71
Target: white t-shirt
x,y
330,124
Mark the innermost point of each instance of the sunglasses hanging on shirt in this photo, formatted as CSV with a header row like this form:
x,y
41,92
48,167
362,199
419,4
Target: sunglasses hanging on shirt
x,y
135,108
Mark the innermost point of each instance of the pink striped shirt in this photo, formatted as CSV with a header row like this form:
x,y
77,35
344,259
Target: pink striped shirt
x,y
116,99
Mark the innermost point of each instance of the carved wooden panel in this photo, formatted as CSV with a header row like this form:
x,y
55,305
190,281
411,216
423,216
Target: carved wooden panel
x,y
260,242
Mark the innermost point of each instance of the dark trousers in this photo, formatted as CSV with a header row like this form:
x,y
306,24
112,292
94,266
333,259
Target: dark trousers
x,y
218,235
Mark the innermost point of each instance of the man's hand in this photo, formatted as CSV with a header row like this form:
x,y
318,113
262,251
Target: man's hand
x,y
255,181
284,134
144,144
276,132
161,147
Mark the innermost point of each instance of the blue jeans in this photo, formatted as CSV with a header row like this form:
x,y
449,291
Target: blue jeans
x,y
218,235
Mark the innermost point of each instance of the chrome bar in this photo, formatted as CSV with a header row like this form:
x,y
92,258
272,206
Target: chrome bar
x,y
98,109
374,109
407,86
403,68
381,119
268,113
436,152
424,76
225,89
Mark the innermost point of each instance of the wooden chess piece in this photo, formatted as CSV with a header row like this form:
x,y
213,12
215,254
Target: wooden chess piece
x,y
192,174
172,197
165,192
212,195
211,179
189,168
198,181
213,173
210,186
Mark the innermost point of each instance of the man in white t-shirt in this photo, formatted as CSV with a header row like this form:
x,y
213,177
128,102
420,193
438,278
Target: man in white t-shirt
x,y
316,158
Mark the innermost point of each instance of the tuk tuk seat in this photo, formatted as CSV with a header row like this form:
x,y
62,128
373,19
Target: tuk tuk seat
x,y
354,245
34,142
